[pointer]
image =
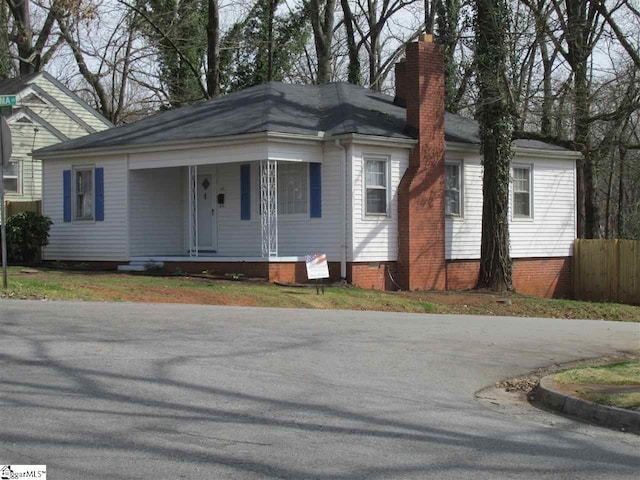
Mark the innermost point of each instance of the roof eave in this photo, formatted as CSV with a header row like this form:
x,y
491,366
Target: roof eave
x,y
377,140
531,152
185,144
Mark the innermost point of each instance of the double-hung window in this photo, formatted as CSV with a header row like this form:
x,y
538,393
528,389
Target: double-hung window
x,y
453,189
83,194
376,186
293,188
12,182
522,196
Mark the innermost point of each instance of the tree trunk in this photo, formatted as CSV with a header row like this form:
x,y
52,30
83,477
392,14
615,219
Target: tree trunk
x,y
620,212
213,49
447,35
272,8
587,200
355,74
5,56
496,134
24,39
322,13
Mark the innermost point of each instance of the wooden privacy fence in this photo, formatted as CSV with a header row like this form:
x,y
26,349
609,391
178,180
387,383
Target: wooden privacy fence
x,y
607,270
14,208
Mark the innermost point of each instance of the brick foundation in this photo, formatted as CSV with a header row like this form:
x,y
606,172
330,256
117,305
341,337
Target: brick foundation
x,y
541,277
104,266
372,275
285,272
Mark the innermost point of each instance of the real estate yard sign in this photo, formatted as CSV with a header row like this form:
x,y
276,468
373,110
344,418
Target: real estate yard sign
x,y
317,266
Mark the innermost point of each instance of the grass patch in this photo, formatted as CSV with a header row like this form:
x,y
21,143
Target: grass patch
x,y
105,286
629,401
622,373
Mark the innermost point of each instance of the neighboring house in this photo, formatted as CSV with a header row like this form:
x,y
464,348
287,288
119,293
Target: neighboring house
x,y
46,113
253,181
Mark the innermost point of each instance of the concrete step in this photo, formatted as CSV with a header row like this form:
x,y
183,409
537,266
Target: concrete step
x,y
140,266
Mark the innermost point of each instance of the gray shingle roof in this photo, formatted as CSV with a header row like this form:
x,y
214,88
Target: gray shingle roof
x,y
333,108
12,86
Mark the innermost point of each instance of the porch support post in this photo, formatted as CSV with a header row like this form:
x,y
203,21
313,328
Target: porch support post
x,y
269,207
193,210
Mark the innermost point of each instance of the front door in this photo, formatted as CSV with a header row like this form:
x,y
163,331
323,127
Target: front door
x,y
207,237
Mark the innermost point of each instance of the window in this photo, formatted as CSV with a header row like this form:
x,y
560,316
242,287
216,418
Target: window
x,y
12,182
293,188
453,189
375,186
83,194
522,192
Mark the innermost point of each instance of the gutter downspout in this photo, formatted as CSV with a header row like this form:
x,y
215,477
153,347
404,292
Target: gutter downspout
x,y
343,224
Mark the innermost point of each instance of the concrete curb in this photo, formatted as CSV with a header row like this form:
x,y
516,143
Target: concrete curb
x,y
613,417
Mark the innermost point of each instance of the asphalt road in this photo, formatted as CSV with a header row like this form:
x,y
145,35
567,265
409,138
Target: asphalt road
x,y
124,391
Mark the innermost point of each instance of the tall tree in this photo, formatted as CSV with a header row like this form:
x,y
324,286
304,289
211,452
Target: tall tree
x,y
262,46
495,116
105,64
353,46
447,34
213,48
179,29
35,47
322,14
5,56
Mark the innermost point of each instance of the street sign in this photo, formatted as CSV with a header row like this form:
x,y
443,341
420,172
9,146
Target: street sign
x,y
7,100
5,142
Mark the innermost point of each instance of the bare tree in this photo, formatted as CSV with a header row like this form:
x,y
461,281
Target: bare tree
x,y
35,47
322,14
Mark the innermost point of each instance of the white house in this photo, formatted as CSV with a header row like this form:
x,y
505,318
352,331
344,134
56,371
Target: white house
x,y
253,181
46,113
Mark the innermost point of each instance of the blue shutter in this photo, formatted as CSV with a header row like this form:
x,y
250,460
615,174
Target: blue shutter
x,y
245,192
315,190
99,184
66,188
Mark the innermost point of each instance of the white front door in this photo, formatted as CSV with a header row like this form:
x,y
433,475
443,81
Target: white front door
x,y
207,235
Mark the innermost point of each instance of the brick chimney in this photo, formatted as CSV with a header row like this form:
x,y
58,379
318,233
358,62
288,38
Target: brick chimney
x,y
401,83
421,258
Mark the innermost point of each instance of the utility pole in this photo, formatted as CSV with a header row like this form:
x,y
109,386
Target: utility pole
x,y
5,156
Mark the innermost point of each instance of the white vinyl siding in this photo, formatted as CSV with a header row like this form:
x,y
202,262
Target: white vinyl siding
x,y
25,139
549,234
236,237
87,240
375,237
302,236
80,110
28,136
156,212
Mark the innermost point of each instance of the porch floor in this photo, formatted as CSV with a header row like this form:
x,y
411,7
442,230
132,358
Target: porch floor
x,y
216,258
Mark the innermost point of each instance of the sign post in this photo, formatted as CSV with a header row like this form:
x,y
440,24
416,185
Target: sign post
x,y
5,156
317,269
